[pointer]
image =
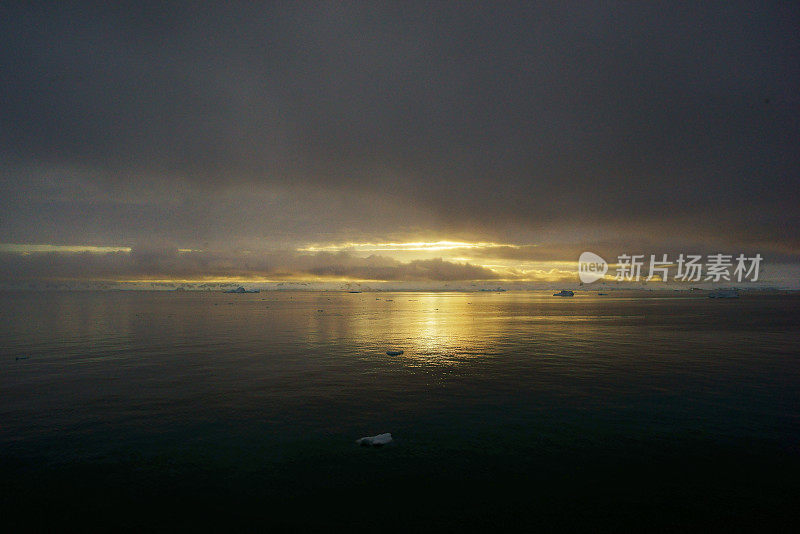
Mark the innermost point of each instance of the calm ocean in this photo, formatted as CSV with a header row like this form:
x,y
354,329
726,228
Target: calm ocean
x,y
130,411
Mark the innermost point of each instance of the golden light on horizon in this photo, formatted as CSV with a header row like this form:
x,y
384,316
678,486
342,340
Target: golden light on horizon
x,y
409,246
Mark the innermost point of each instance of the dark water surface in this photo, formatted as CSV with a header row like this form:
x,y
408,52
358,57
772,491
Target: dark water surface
x,y
155,411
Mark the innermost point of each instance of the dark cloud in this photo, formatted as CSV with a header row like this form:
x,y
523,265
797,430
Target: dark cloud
x,y
416,270
160,264
255,126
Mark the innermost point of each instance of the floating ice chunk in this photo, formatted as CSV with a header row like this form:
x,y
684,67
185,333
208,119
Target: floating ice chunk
x,y
394,352
240,289
724,294
375,441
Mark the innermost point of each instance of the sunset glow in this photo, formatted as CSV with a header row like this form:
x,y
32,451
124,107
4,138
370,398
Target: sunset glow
x,y
414,246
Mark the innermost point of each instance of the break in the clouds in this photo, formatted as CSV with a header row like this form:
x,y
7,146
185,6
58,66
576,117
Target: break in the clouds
x,y
270,136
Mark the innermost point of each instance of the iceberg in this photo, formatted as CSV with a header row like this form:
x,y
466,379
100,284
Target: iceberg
x,y
240,289
724,294
375,441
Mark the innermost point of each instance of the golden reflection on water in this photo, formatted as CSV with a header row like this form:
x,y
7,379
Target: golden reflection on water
x,y
431,328
452,328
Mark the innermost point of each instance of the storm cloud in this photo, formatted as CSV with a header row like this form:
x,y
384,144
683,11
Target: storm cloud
x,y
199,266
558,127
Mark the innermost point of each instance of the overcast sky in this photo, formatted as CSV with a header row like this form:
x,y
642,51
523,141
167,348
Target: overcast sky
x,y
294,140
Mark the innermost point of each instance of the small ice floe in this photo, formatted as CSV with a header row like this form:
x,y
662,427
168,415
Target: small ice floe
x,y
375,441
724,294
394,352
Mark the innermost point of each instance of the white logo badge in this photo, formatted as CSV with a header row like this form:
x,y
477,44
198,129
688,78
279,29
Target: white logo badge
x,y
591,267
